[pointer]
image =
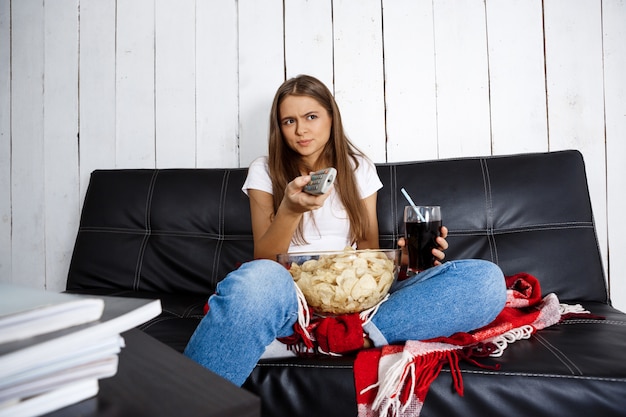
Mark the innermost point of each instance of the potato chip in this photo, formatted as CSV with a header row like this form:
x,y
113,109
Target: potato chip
x,y
363,287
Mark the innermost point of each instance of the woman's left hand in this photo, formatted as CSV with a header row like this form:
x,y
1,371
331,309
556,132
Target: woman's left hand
x,y
437,252
443,245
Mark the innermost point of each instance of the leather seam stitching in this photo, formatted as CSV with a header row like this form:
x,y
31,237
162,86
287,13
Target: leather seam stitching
x,y
562,357
148,231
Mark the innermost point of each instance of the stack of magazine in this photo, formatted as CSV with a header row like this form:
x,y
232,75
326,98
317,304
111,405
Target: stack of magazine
x,y
55,347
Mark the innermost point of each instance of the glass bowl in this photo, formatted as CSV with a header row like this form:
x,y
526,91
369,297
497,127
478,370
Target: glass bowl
x,y
343,282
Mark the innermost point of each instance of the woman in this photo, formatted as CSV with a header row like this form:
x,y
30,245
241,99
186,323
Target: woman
x,y
257,303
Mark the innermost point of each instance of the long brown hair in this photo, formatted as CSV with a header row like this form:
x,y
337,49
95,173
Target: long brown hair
x,y
285,164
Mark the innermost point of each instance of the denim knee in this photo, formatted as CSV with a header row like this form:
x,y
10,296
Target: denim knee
x,y
458,296
252,306
490,287
264,288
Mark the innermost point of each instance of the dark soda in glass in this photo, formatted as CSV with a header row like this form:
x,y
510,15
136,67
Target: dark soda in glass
x,y
420,241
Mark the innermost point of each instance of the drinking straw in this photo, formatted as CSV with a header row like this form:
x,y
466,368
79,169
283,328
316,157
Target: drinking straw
x,y
408,198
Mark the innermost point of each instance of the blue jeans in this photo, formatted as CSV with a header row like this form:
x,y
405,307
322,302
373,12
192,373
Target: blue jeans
x,y
257,303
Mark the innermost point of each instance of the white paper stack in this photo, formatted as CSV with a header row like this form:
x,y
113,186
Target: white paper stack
x,y
54,347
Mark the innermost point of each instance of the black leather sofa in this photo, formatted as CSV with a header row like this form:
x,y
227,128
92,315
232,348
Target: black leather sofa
x,y
174,233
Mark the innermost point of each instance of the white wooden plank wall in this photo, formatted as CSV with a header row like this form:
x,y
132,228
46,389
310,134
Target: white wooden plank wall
x,y
5,142
217,96
614,42
261,69
135,84
26,192
97,80
359,76
462,74
87,84
517,77
175,83
410,80
60,138
309,39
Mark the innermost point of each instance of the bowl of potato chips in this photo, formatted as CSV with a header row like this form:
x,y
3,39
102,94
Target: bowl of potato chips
x,y
343,282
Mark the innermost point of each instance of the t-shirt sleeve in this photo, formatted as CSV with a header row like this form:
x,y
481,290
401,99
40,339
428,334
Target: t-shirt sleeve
x,y
258,176
367,178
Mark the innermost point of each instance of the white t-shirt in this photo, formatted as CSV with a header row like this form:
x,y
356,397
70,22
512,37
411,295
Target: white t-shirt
x,y
330,229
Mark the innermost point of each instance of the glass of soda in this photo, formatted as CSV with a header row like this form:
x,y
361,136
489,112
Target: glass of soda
x,y
422,225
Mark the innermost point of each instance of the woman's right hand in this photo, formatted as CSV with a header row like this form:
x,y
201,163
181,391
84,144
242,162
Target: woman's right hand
x,y
297,200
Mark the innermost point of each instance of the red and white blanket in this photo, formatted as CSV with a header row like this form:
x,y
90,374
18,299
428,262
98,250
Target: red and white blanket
x,y
394,380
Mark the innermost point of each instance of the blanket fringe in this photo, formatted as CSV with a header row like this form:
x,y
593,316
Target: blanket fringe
x,y
304,314
505,339
302,341
367,315
409,378
390,385
572,308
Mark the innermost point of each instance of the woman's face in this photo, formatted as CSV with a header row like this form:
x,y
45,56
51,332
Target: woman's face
x,y
305,126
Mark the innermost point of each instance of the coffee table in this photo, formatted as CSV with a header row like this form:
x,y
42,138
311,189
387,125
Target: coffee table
x,y
155,380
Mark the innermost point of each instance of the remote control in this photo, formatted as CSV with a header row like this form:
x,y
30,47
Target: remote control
x,y
321,181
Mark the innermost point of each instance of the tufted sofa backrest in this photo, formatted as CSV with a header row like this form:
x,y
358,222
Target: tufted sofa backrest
x,y
527,213
183,230
161,230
